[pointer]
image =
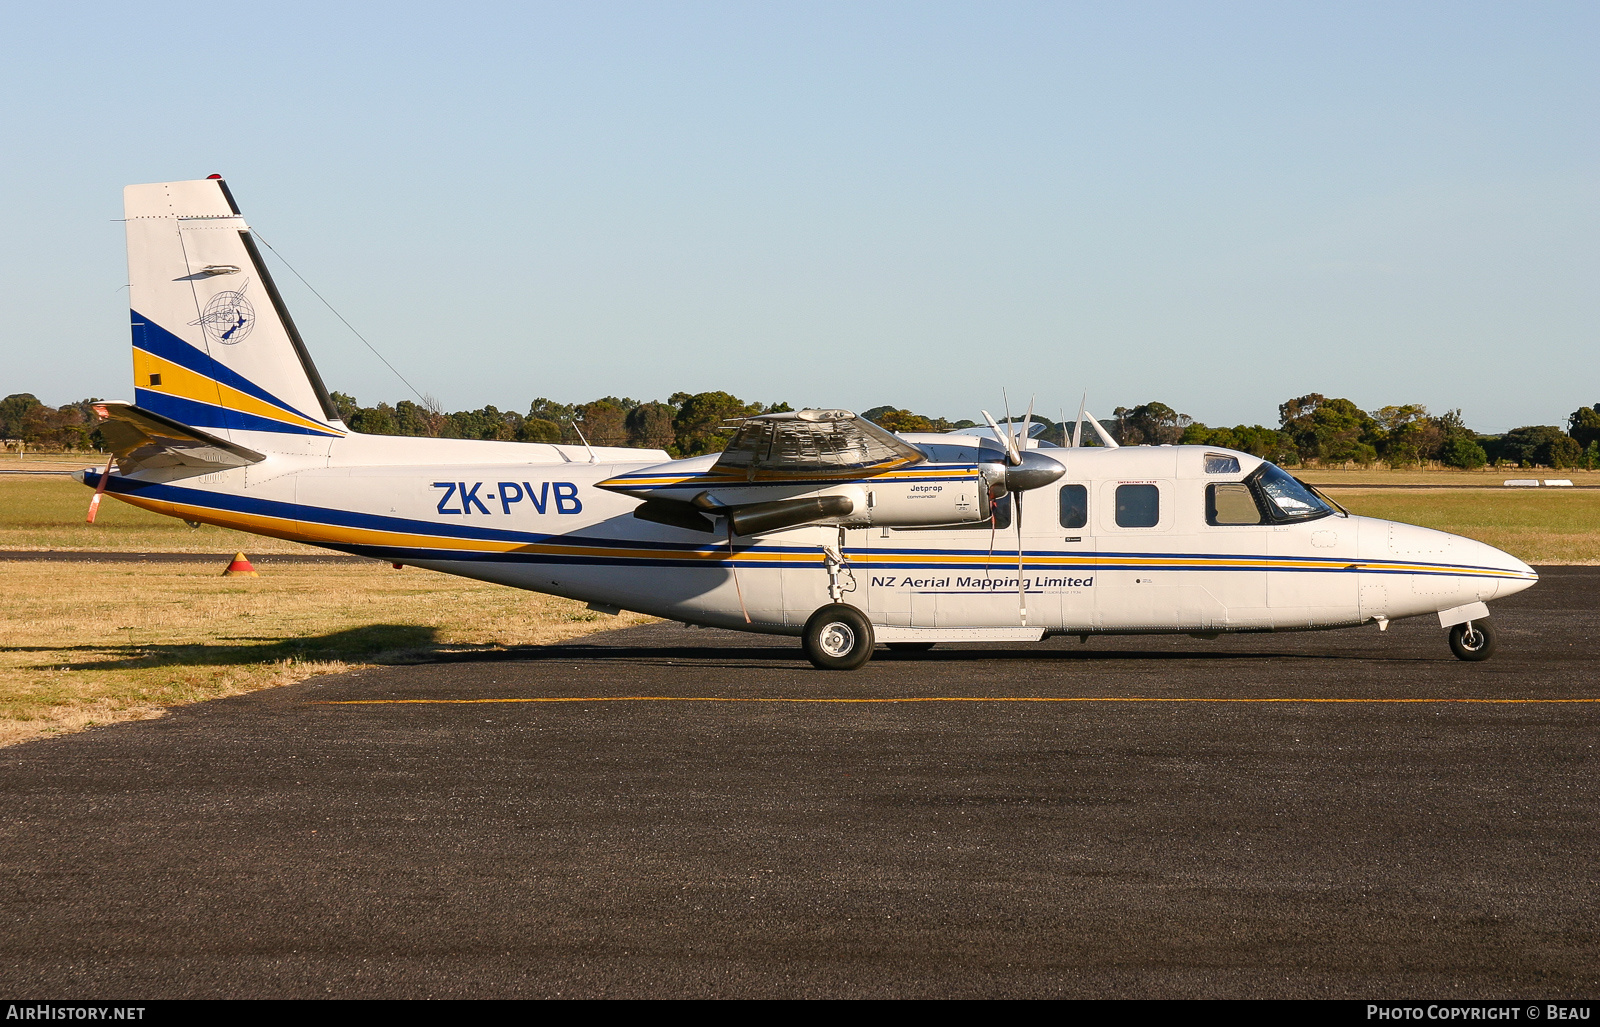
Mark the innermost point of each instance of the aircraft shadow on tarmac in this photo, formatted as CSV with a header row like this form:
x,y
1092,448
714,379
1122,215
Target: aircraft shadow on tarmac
x,y
398,644
381,643
728,655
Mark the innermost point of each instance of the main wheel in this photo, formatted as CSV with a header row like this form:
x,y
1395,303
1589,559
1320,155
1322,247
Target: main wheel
x,y
1473,640
838,637
910,647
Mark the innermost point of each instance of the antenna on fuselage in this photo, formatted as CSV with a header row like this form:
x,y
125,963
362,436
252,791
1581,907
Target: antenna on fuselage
x,y
585,441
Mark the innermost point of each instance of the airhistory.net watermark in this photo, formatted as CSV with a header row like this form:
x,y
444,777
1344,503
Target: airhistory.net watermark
x,y
48,1011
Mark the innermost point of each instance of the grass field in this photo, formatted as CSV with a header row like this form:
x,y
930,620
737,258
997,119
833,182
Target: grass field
x,y
50,461
1488,477
47,513
1534,525
85,644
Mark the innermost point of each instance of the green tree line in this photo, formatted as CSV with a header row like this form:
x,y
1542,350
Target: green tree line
x,y
1317,429
1311,429
687,424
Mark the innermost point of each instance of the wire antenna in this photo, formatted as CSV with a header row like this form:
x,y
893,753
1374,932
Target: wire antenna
x,y
425,402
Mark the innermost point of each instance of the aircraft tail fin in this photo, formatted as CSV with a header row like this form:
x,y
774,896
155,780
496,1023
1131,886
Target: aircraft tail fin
x,y
213,344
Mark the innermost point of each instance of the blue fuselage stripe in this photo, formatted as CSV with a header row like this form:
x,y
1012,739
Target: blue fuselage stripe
x,y
925,560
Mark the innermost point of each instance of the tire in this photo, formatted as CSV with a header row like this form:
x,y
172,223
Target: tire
x,y
838,637
1477,645
910,647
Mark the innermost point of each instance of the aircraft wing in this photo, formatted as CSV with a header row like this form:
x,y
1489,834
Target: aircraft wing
x,y
143,440
813,443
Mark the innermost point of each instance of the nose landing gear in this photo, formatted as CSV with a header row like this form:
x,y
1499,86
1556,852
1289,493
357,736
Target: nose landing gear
x,y
1473,640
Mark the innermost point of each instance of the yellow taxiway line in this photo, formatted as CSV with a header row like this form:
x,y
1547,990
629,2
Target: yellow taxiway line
x,y
909,699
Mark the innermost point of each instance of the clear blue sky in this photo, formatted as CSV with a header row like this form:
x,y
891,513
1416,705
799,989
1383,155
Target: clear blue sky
x,y
1215,205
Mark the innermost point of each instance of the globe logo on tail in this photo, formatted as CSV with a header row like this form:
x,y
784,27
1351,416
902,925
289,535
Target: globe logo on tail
x,y
228,316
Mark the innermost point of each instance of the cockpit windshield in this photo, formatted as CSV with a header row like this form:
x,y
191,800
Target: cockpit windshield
x,y
1287,499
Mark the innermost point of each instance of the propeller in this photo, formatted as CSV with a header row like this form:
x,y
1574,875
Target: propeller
x,y
1094,422
1024,470
100,490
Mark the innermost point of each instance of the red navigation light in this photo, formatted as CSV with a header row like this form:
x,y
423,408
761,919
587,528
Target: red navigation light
x,y
213,176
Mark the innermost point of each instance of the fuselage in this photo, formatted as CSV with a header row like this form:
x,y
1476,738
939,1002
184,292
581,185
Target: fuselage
x,y
531,517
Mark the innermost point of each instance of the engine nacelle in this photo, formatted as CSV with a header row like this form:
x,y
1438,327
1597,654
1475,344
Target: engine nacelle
x,y
948,499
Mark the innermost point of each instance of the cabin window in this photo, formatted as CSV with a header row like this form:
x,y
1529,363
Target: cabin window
x,y
1074,506
1138,506
1231,504
1221,463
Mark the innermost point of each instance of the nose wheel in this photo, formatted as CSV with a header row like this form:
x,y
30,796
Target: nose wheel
x,y
1473,641
838,637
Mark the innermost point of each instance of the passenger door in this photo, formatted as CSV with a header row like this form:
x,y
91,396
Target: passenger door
x,y
1071,575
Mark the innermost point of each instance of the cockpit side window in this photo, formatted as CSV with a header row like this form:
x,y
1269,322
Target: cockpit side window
x,y
1231,503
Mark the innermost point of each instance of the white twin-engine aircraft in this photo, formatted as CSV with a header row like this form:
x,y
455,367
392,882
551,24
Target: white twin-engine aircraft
x,y
815,523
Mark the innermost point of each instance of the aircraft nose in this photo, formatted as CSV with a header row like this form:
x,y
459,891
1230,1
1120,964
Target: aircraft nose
x,y
1526,576
1511,573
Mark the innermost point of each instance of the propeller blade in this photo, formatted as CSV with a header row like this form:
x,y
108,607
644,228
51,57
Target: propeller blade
x,y
1099,429
1027,423
99,491
1004,438
994,529
1022,592
1077,429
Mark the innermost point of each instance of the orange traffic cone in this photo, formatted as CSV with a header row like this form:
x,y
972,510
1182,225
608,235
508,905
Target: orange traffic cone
x,y
240,565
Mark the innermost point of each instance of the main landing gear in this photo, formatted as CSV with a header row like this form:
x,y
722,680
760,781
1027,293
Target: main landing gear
x,y
1473,640
838,637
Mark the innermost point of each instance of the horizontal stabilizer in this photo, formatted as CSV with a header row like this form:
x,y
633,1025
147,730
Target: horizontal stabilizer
x,y
143,440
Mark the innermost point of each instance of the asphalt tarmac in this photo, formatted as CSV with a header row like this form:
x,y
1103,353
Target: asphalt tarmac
x,y
1341,814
